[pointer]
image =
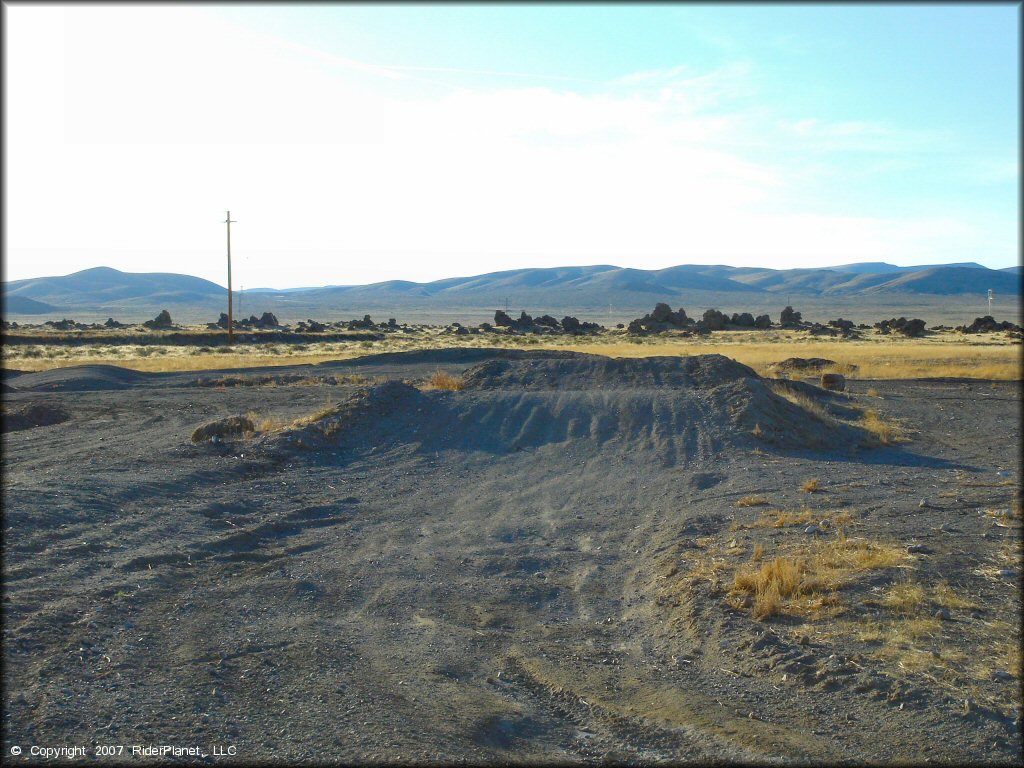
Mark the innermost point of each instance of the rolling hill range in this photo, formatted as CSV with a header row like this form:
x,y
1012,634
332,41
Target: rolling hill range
x,y
598,288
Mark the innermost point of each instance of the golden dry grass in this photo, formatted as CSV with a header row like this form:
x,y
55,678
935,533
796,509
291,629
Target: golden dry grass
x,y
444,380
947,597
779,519
810,486
905,598
949,355
803,401
876,357
885,431
806,579
752,501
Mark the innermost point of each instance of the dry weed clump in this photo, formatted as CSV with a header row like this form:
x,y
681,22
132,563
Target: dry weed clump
x,y
806,579
802,401
445,380
810,486
752,501
885,432
779,519
905,598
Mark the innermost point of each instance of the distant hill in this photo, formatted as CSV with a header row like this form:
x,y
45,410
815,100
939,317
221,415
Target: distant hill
x,y
102,287
880,267
588,288
22,305
949,281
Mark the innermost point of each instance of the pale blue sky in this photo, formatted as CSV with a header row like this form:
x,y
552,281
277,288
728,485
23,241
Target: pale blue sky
x,y
359,143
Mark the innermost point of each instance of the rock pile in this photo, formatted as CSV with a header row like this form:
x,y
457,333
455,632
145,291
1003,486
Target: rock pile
x,y
912,328
664,319
545,324
160,322
266,320
987,324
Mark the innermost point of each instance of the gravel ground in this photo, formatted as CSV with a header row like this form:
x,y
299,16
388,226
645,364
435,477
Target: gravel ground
x,y
534,568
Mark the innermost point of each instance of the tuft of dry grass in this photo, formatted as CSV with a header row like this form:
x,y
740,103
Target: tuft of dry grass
x,y
779,519
811,486
265,423
752,501
945,596
885,432
444,380
872,392
807,580
904,598
802,401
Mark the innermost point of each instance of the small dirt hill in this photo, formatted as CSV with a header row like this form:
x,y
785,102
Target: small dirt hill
x,y
680,409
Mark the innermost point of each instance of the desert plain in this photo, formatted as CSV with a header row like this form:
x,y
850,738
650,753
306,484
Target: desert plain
x,y
470,552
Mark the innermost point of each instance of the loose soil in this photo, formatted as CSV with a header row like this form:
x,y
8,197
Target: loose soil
x,y
540,566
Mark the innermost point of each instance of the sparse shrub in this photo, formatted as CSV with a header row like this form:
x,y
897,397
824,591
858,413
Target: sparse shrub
x,y
904,598
445,380
810,486
757,431
886,432
752,501
872,392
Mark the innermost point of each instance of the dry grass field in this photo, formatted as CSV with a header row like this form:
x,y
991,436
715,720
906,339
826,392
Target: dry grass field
x,y
945,354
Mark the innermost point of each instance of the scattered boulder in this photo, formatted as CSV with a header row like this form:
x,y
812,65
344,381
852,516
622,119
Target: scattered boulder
x,y
163,320
790,317
987,324
548,321
911,328
661,319
502,320
545,324
714,320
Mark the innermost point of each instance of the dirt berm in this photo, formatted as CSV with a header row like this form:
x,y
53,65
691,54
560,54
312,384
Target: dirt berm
x,y
682,409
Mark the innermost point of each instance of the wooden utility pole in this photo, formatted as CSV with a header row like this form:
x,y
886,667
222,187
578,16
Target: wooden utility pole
x,y
231,319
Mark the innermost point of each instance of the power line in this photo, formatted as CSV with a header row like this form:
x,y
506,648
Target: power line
x,y
231,330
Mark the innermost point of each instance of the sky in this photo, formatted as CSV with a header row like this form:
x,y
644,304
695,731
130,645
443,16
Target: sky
x,y
360,143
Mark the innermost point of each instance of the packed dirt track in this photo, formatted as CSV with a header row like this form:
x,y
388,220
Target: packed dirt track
x,y
493,555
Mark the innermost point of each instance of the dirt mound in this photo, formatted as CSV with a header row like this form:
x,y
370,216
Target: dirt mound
x,y
680,409
232,426
365,413
581,371
449,356
801,364
79,378
30,416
